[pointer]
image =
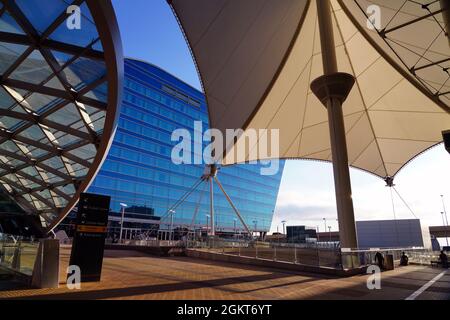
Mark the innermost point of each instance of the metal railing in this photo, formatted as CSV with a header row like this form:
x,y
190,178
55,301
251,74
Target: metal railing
x,y
148,243
18,254
309,255
327,255
358,258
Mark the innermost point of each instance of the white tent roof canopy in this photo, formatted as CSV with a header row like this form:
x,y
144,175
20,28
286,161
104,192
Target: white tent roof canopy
x,y
257,60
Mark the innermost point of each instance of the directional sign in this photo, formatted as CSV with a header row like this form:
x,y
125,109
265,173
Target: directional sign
x,y
89,240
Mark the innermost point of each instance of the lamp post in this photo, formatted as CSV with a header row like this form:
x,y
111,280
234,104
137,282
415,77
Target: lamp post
x,y
172,212
446,219
329,230
284,226
207,224
256,224
123,206
235,232
445,227
325,221
443,206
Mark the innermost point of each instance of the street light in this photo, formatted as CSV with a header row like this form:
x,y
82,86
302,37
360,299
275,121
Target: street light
x,y
256,224
172,212
445,227
446,219
329,230
123,205
235,231
284,227
443,206
325,221
207,223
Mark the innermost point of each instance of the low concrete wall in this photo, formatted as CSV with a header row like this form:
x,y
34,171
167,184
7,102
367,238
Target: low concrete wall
x,y
272,264
9,274
153,251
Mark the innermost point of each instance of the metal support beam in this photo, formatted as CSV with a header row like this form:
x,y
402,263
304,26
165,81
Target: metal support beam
x,y
428,65
43,185
211,206
51,124
53,45
332,90
38,163
197,208
36,88
30,192
56,151
431,14
233,206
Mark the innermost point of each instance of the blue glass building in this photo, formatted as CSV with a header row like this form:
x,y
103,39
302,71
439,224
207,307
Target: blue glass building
x,y
139,172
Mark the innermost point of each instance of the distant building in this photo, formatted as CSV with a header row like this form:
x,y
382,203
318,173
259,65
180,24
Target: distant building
x,y
300,234
276,237
393,234
139,171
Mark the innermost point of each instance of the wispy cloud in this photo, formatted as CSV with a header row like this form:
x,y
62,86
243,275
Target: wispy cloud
x,y
307,192
297,212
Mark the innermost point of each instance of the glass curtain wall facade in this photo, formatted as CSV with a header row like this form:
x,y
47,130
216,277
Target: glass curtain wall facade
x,y
139,172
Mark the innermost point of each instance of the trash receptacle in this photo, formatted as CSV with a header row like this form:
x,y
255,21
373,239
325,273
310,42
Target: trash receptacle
x,y
389,262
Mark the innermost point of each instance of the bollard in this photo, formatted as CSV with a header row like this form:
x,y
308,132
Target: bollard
x,y
15,265
295,255
46,265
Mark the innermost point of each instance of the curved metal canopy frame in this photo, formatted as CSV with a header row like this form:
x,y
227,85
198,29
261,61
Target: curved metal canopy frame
x,y
60,90
426,58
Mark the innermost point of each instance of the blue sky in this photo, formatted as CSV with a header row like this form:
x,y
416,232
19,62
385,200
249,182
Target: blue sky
x,y
151,33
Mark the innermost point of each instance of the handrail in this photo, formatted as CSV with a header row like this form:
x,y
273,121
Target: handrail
x,y
17,254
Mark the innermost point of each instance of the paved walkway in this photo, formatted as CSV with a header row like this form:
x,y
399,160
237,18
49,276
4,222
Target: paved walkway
x,y
132,275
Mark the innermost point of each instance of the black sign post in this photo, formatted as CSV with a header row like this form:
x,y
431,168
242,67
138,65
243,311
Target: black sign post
x,y
89,240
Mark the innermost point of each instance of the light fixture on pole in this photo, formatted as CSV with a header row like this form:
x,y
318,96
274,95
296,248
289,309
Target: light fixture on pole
x,y
329,231
445,227
123,206
207,223
445,211
235,231
171,212
284,226
446,219
325,222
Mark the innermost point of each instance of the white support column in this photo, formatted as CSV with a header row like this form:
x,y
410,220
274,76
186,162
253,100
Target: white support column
x,y
332,89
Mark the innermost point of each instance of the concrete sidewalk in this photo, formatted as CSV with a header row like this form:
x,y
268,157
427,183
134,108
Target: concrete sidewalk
x,y
134,275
